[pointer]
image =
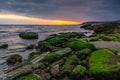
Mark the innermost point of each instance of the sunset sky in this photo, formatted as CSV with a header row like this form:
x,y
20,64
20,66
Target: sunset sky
x,y
58,11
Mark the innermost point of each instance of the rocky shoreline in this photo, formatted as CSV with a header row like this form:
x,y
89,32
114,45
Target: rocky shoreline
x,y
69,56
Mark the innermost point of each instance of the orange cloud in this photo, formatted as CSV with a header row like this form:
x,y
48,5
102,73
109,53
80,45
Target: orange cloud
x,y
32,20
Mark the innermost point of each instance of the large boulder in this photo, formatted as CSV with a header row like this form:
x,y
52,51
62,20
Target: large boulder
x,y
13,59
104,65
29,35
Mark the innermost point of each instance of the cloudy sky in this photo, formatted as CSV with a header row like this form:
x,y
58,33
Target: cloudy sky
x,y
57,11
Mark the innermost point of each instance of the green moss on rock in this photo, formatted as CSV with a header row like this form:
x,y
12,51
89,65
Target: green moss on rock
x,y
83,52
102,65
29,35
51,57
106,37
69,35
31,76
56,41
70,63
78,45
44,46
79,70
54,55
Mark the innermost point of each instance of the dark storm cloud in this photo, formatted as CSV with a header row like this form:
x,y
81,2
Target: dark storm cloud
x,y
78,10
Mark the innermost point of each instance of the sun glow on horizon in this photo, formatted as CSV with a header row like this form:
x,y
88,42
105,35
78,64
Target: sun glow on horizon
x,y
32,20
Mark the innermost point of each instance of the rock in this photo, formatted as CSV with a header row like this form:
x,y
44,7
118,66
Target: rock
x,y
37,71
104,65
83,53
44,46
54,55
78,72
13,59
78,45
56,41
65,78
55,70
38,58
31,46
29,35
60,39
21,71
33,55
45,75
31,76
69,64
3,45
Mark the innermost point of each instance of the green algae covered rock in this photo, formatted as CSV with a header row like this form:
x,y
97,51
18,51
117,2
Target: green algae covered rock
x,y
13,59
51,57
62,38
78,45
104,64
82,52
79,70
44,46
54,55
31,76
29,35
69,64
56,41
69,35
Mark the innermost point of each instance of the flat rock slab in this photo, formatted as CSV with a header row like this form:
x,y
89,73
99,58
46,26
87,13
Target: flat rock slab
x,y
107,44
